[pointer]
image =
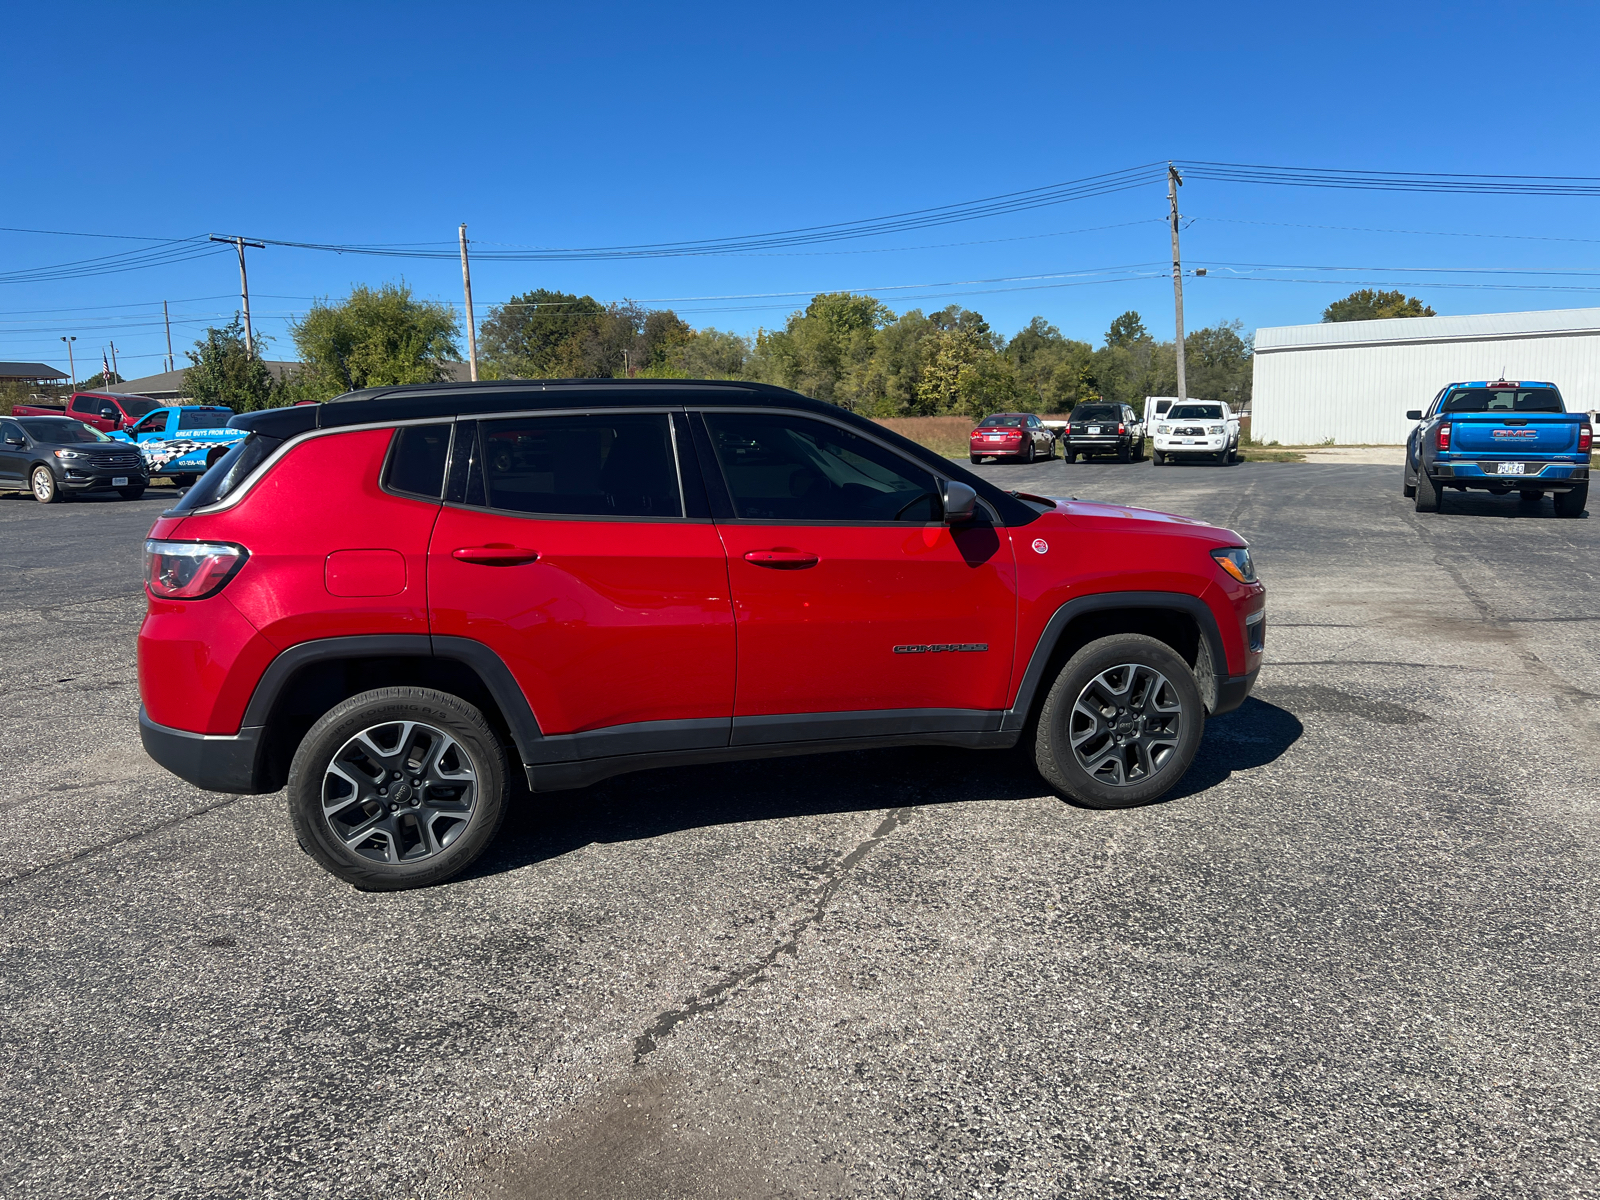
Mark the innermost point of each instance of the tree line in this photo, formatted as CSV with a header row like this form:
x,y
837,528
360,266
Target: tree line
x,y
848,349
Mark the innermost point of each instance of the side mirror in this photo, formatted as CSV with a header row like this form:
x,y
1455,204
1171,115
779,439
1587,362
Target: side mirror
x,y
960,501
1414,414
108,414
13,440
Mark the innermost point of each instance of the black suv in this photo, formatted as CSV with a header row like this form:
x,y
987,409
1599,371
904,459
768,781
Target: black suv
x,y
1097,428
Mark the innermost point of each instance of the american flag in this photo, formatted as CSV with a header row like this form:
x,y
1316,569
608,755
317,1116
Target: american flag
x,y
105,367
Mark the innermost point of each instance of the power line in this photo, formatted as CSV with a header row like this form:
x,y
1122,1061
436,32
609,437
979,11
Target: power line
x,y
1395,181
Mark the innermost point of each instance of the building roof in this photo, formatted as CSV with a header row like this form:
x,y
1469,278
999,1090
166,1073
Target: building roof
x,y
27,370
1558,322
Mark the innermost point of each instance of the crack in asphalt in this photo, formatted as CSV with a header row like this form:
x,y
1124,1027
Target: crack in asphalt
x,y
101,847
719,993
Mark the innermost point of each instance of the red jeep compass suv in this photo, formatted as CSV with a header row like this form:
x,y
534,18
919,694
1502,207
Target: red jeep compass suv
x,y
387,600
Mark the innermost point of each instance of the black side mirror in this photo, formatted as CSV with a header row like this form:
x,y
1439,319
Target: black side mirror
x,y
960,502
108,414
14,440
1414,414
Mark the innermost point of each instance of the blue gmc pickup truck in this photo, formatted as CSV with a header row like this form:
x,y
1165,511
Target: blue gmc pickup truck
x,y
181,442
1499,437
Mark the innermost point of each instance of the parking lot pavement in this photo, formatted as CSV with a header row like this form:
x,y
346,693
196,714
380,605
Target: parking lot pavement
x,y
1353,954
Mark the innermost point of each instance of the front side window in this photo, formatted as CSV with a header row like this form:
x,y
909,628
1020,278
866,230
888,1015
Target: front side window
x,y
789,468
9,429
152,424
592,465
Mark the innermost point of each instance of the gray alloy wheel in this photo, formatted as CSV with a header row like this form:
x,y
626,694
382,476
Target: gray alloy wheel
x,y
43,485
1121,724
398,788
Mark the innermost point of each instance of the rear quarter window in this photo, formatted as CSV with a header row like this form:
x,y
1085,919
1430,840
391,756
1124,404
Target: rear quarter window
x,y
417,460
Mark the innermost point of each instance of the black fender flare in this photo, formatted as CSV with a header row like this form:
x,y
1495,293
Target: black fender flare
x,y
1209,654
490,667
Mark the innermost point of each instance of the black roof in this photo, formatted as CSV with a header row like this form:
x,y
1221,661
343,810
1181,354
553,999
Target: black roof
x,y
410,402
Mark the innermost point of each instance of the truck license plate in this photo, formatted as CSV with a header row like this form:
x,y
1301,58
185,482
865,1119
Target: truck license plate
x,y
119,481
1512,469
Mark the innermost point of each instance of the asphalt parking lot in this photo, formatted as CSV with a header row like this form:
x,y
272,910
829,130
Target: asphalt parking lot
x,y
1353,955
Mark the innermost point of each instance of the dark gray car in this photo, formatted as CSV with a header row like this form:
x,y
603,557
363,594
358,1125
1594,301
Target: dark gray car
x,y
55,457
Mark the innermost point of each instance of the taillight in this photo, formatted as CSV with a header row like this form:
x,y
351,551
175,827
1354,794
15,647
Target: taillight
x,y
1444,436
1122,429
190,570
1585,437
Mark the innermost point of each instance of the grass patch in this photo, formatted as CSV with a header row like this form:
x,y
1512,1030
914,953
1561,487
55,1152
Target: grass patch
x,y
1257,454
948,436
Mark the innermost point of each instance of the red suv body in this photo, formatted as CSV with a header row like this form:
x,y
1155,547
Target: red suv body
x,y
401,592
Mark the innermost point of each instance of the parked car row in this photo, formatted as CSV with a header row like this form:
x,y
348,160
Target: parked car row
x,y
103,442
1193,429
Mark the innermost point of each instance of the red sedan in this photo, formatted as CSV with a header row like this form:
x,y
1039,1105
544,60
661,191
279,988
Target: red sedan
x,y
1019,436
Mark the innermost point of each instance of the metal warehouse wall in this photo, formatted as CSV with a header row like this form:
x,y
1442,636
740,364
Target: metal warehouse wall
x,y
1360,394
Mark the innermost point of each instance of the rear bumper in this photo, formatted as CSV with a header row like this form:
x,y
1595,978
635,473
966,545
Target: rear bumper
x,y
1484,475
1097,445
999,451
216,762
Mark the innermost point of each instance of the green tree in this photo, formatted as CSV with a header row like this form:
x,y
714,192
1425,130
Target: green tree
x,y
708,354
825,350
1050,368
373,338
1127,330
222,371
538,335
1218,363
1369,305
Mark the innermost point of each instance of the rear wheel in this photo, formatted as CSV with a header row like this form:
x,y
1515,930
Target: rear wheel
x,y
1124,451
398,788
977,458
131,493
1032,453
44,487
1427,495
1121,724
213,456
1571,504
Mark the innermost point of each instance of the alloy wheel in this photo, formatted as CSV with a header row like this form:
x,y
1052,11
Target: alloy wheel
x,y
44,485
399,792
1125,725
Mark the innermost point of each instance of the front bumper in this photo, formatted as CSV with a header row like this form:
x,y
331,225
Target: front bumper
x,y
78,480
217,762
1175,447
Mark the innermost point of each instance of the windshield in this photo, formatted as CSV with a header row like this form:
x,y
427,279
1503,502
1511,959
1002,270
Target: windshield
x,y
1096,412
1469,400
204,419
1195,412
1006,420
138,406
62,431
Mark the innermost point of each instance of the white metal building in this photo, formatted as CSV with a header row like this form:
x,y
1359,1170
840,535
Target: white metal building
x,y
1353,381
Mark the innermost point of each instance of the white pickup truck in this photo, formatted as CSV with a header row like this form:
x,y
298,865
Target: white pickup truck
x,y
1203,429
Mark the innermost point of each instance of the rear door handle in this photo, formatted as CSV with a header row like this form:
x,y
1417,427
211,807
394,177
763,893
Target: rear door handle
x,y
495,554
782,560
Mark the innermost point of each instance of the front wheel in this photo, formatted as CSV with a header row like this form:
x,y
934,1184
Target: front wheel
x,y
396,788
44,487
1571,504
1121,724
1158,458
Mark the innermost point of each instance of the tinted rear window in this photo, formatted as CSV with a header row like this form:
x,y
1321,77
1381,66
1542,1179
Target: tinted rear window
x,y
1008,422
138,406
594,465
1096,412
204,420
1468,400
416,461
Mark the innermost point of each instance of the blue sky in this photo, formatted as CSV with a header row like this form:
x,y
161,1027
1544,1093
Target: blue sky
x,y
578,125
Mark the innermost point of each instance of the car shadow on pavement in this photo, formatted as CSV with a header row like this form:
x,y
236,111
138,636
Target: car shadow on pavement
x,y
649,804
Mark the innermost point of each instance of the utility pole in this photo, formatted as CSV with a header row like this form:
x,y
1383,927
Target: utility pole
x,y
244,286
466,286
71,365
114,370
171,364
1174,182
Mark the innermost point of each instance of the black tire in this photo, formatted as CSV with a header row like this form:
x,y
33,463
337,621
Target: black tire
x,y
1162,723
1158,458
1427,495
976,459
1222,458
1571,504
1050,453
131,493
213,456
1071,456
1407,488
1138,450
42,483
398,837
1531,495
1032,453
184,481
1124,452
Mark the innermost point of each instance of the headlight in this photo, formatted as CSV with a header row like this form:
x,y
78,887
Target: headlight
x,y
67,454
1235,560
190,570
1163,428
1219,429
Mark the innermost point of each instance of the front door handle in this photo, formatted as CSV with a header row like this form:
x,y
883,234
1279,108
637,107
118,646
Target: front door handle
x,y
782,560
495,554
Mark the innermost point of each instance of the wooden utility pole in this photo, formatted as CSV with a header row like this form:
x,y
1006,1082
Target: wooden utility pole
x,y
466,286
1174,182
244,286
172,364
114,370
